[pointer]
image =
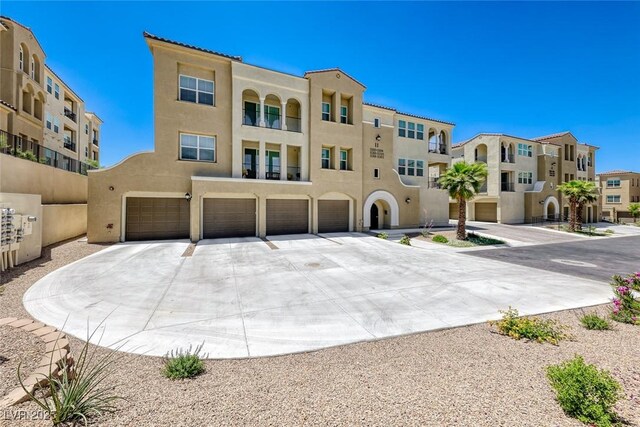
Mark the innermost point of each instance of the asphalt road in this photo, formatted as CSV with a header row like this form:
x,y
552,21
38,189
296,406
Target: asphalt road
x,y
597,259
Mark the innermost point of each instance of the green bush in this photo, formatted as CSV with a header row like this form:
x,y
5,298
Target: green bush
x,y
530,328
594,322
405,240
27,155
383,236
483,241
181,364
584,392
439,238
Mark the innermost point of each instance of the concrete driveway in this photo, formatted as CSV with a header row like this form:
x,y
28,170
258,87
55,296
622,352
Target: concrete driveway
x,y
522,234
248,298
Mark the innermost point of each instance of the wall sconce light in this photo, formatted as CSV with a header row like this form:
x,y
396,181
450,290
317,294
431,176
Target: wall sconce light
x,y
378,138
541,202
553,164
407,200
111,188
187,196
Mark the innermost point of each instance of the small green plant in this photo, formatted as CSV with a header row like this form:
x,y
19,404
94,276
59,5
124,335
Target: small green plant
x,y
405,240
439,238
180,364
530,328
383,236
585,392
594,322
93,163
77,392
27,155
483,241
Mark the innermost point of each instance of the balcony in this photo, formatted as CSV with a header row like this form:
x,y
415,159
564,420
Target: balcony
x,y
481,159
95,141
438,148
434,183
507,186
505,159
69,144
70,114
293,173
271,121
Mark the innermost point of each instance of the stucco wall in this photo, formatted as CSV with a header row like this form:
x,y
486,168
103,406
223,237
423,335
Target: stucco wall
x,y
54,185
61,222
26,204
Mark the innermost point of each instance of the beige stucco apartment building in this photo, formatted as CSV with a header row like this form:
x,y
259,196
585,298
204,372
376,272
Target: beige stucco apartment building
x,y
523,176
619,188
241,150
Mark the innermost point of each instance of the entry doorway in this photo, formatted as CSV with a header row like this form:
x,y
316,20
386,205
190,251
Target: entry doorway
x,y
375,219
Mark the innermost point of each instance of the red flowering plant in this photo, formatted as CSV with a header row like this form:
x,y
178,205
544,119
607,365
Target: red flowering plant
x,y
626,307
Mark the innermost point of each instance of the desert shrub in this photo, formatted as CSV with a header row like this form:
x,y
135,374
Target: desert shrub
x,y
383,236
180,364
594,322
609,231
632,281
585,392
626,307
405,240
483,241
530,328
439,238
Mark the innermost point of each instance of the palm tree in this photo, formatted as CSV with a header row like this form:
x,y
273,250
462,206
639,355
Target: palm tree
x,y
463,181
634,210
578,192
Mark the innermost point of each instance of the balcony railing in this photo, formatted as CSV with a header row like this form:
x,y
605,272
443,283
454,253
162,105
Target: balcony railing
x,y
70,114
293,173
508,159
14,145
438,148
482,159
271,121
434,183
69,144
95,141
294,124
507,186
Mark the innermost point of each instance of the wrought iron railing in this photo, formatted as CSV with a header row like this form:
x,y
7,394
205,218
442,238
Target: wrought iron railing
x,y
70,114
507,186
271,120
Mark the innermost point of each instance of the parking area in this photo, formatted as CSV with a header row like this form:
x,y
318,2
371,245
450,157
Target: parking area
x,y
521,234
245,297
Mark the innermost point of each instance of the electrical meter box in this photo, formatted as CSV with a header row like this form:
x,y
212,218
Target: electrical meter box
x,y
25,224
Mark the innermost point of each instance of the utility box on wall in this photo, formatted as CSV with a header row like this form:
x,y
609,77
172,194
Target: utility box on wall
x,y
24,234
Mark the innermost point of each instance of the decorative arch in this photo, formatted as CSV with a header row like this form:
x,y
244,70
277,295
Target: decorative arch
x,y
551,200
391,201
35,68
24,58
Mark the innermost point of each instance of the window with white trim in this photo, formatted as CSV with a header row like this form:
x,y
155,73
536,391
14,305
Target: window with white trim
x,y
21,59
613,198
199,91
47,116
56,124
326,158
33,68
344,114
49,85
402,128
419,168
86,128
525,177
326,111
613,183
376,122
525,150
56,91
411,132
344,160
420,131
197,147
402,166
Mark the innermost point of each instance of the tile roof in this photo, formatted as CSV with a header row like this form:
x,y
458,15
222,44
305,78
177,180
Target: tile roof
x,y
553,135
460,144
162,39
5,103
334,69
616,172
408,114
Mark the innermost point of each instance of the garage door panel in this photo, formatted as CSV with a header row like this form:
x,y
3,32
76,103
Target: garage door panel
x,y
333,216
229,218
487,212
453,211
287,216
156,218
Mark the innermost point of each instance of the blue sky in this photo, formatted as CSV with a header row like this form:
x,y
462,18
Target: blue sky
x,y
525,69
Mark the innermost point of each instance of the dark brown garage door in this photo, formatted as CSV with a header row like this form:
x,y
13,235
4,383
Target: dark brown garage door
x,y
333,216
487,212
228,218
287,216
155,218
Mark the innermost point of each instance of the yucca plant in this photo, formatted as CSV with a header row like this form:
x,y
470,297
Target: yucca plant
x,y
78,393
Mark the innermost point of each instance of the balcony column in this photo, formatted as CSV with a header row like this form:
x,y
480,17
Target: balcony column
x,y
283,116
262,122
262,156
283,162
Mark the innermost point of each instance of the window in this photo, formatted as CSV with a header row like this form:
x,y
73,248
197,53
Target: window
x,y
196,90
411,167
419,168
402,163
411,133
49,85
376,122
326,158
525,150
86,152
33,68
326,111
552,172
197,147
344,160
47,116
56,125
613,198
21,58
344,114
402,128
376,173
420,132
525,177
57,91
86,128
590,160
613,183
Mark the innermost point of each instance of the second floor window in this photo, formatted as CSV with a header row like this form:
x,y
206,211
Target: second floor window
x,y
376,122
197,147
48,120
525,177
613,183
411,167
57,91
56,125
419,131
402,128
196,90
525,150
613,198
344,160
344,114
326,111
49,85
326,158
402,166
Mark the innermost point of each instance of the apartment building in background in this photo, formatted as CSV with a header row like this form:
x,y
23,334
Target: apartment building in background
x,y
524,175
41,117
619,188
242,150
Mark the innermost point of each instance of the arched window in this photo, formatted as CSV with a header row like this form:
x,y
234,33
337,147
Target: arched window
x,y
33,68
21,58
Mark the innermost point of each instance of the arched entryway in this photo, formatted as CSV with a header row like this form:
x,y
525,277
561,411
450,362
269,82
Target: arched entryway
x,y
551,207
385,214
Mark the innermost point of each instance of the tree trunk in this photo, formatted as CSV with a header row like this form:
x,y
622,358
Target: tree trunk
x,y
572,215
461,233
579,208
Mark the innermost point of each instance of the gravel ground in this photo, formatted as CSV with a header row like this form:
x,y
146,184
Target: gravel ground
x,y
467,376
17,347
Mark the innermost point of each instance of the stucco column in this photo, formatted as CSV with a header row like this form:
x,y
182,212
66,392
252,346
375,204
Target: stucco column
x,y
304,162
283,116
336,107
283,162
262,122
262,155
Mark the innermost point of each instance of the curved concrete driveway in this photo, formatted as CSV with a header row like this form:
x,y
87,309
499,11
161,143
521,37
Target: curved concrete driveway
x,y
246,298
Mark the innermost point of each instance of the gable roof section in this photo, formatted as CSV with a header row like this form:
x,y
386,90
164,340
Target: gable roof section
x,y
460,144
407,114
6,104
553,135
326,70
6,18
147,35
